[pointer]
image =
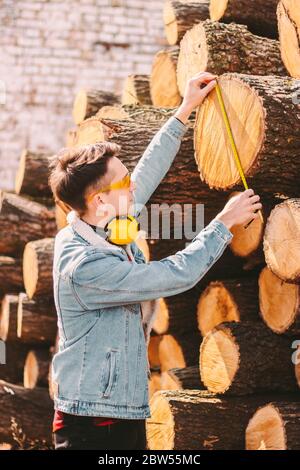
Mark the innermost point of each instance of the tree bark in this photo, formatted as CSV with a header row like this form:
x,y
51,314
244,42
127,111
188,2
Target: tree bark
x,y
137,90
11,275
194,419
33,173
180,16
209,46
88,102
259,16
22,221
37,267
182,378
244,358
264,121
37,321
30,410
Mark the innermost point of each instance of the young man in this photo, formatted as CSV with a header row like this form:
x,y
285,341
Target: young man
x,y
105,293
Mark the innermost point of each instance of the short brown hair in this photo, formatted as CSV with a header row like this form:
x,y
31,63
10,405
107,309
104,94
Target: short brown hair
x,y
73,170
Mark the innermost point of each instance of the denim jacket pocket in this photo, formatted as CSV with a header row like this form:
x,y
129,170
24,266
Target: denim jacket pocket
x,y
110,372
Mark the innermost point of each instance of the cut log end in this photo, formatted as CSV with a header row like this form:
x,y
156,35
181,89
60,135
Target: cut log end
x,y
170,353
160,437
215,306
219,360
163,80
288,14
31,371
30,269
246,240
281,240
161,322
20,173
170,22
80,106
265,430
217,9
278,301
213,152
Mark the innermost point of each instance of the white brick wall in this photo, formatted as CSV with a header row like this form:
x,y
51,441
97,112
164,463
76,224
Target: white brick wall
x,y
49,49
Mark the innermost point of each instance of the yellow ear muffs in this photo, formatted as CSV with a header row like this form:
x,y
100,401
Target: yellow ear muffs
x,y
122,229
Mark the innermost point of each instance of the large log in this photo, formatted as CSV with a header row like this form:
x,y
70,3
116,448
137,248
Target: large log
x,y
9,317
243,358
32,175
36,368
208,46
194,419
37,321
279,303
275,426
136,90
226,301
259,16
288,14
27,414
11,274
88,102
22,221
37,267
281,240
180,15
265,124
163,80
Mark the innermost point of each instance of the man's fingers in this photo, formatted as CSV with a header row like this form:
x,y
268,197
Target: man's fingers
x,y
248,192
254,198
256,206
209,87
204,77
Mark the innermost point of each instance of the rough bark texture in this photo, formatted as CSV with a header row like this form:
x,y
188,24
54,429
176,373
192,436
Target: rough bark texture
x,y
33,173
275,168
88,102
11,276
137,90
210,46
259,16
265,363
185,15
22,221
37,321
32,410
187,377
199,420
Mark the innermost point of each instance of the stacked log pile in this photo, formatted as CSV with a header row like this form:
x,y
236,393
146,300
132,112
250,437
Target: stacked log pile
x,y
225,372
28,323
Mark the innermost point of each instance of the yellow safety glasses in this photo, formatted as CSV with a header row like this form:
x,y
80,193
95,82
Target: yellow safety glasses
x,y
121,184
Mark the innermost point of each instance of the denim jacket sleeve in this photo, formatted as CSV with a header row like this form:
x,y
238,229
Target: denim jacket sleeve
x,y
156,161
100,280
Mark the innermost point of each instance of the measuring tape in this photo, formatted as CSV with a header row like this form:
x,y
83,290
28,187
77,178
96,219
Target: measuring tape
x,y
232,143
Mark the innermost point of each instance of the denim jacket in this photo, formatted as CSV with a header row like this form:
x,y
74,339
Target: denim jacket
x,y
105,303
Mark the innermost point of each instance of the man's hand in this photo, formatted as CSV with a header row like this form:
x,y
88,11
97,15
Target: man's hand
x,y
195,91
240,209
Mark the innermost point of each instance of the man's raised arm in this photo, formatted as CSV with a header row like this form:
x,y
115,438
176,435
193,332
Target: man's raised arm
x,y
161,151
